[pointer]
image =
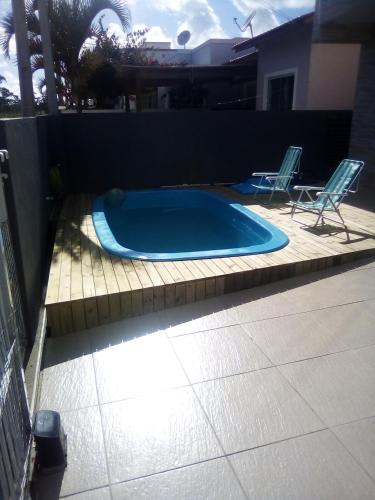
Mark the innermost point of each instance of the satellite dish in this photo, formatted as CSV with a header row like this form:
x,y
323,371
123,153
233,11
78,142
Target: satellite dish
x,y
247,23
183,38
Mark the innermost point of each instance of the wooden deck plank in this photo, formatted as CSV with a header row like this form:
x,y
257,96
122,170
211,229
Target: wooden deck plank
x,y
189,281
52,294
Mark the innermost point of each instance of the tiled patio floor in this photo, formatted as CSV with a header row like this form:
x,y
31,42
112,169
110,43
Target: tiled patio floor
x,y
266,394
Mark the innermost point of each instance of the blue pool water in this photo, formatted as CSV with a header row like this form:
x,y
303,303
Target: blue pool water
x,y
178,224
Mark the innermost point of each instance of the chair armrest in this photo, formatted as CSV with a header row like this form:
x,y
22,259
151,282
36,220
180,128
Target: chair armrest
x,y
262,174
279,177
307,188
329,193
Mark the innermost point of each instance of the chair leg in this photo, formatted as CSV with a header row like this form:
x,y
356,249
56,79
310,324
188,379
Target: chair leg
x,y
320,216
293,211
339,214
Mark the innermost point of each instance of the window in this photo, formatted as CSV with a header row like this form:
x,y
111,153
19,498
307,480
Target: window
x,y
280,93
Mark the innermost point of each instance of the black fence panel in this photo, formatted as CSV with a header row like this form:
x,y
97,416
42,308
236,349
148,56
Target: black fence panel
x,y
26,190
106,150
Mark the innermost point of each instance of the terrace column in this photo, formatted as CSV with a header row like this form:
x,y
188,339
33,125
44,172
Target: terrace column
x,y
362,143
47,57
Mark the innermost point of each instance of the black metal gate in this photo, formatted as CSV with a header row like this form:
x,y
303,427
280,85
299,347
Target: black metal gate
x,y
15,426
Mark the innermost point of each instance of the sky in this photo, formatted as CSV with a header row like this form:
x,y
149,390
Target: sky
x,y
203,18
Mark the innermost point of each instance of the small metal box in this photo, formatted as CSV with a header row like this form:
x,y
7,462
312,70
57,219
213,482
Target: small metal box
x,y
50,440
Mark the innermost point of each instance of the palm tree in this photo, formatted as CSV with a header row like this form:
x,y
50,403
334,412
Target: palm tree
x,y
72,23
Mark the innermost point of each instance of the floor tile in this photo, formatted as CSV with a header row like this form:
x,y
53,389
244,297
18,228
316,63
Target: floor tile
x,y
154,434
254,409
359,439
350,325
197,317
86,455
212,480
312,467
360,265
218,353
140,366
340,387
67,347
262,308
335,290
306,335
69,386
113,334
288,338
100,494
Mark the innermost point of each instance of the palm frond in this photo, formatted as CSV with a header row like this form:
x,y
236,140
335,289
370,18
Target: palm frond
x,y
35,44
119,7
36,62
7,25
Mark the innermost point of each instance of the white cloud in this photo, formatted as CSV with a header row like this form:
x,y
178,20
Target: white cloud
x,y
196,16
266,16
155,33
264,20
11,83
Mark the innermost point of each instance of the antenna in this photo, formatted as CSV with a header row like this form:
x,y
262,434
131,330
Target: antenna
x,y
183,38
247,23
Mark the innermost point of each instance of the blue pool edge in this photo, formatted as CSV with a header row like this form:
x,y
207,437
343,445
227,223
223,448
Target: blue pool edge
x,y
278,240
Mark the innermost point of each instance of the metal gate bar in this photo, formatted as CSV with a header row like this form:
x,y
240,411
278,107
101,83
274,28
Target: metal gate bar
x,y
15,425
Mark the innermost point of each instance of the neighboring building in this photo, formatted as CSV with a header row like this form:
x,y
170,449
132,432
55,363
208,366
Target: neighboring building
x,y
342,22
294,73
183,78
213,51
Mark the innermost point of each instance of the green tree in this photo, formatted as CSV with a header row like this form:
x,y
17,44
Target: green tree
x,y
72,24
9,102
102,66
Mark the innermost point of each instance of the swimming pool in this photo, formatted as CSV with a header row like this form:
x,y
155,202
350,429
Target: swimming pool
x,y
180,224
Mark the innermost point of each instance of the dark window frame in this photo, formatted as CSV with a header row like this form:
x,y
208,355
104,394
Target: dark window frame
x,y
281,97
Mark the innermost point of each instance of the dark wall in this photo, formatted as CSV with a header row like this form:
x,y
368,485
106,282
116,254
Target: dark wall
x,y
26,190
146,150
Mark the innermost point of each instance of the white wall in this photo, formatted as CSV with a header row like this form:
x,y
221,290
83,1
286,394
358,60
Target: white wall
x,y
214,51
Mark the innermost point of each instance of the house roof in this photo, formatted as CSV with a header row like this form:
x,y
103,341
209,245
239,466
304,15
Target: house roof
x,y
251,42
211,41
245,59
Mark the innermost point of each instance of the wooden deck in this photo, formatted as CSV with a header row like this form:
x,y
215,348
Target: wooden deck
x,y
89,287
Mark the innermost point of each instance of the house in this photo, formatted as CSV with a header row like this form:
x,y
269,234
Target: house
x,y
289,71
296,74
